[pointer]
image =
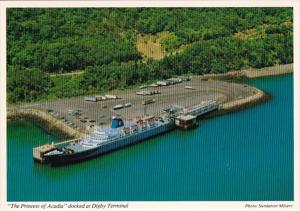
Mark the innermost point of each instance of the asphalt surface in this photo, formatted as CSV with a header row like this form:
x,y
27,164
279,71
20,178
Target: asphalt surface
x,y
102,111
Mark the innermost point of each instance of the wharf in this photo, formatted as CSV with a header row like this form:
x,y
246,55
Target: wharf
x,y
39,151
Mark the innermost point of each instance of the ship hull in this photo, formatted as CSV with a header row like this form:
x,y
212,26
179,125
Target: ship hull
x,y
97,151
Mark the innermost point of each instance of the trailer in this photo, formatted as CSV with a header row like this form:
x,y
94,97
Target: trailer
x,y
113,97
163,83
148,92
90,98
175,80
146,102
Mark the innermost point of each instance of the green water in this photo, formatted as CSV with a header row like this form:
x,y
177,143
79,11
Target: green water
x,y
247,155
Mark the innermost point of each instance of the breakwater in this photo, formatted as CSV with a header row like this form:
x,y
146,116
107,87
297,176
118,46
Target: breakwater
x,y
239,104
44,120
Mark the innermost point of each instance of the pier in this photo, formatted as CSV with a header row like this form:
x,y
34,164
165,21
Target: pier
x,y
39,151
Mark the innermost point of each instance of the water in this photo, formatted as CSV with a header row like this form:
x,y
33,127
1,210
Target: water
x,y
246,155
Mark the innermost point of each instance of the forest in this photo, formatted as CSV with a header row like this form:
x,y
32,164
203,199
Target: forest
x,y
101,42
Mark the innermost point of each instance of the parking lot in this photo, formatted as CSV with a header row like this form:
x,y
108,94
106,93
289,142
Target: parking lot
x,y
78,113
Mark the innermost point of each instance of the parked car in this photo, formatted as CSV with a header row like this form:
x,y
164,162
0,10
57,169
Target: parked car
x,y
126,105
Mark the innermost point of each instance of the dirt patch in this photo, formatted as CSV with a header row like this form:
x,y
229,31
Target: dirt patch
x,y
150,47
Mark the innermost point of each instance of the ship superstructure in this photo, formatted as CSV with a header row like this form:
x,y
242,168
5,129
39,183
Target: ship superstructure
x,y
102,140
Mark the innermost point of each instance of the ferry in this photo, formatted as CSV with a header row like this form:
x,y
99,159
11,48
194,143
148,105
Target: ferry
x,y
120,134
102,140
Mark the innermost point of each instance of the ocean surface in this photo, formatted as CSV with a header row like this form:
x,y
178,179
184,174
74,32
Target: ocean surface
x,y
246,155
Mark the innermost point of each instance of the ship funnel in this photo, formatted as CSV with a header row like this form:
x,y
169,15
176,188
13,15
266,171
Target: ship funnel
x,y
116,122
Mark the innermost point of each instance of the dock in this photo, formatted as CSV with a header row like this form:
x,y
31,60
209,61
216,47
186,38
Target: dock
x,y
39,151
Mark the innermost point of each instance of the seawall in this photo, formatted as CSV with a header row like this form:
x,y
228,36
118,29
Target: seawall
x,y
241,104
44,120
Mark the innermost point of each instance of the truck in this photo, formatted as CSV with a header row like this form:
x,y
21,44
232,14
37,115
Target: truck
x,y
174,80
146,102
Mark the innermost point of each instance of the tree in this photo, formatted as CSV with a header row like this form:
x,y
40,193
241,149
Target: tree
x,y
26,84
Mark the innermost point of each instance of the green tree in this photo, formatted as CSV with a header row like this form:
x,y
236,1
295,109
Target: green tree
x,y
26,84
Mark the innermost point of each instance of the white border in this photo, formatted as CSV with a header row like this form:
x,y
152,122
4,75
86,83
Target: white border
x,y
156,205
